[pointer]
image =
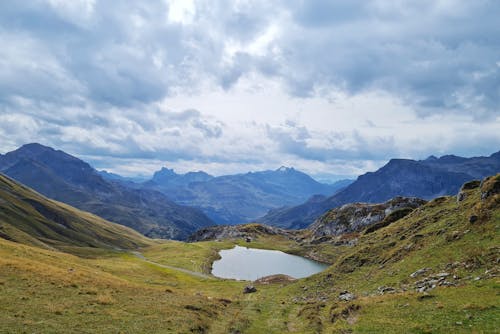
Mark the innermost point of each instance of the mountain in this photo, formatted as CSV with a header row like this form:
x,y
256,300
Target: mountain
x,y
68,179
236,199
118,178
425,179
30,218
435,270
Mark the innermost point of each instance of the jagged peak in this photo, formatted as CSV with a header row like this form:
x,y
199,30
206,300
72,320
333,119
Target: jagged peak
x,y
285,169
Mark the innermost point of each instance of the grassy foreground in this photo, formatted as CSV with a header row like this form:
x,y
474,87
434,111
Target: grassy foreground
x,y
110,291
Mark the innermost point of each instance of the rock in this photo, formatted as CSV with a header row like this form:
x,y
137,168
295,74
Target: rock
x,y
440,275
460,196
346,296
490,186
425,296
447,283
471,185
473,219
427,283
249,289
386,289
419,272
248,239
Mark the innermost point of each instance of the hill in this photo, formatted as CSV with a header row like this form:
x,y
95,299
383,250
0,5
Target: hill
x,y
68,179
433,270
426,179
30,218
236,199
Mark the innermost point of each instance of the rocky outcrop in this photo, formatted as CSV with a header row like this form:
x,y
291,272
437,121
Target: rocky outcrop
x,y
462,194
246,232
357,216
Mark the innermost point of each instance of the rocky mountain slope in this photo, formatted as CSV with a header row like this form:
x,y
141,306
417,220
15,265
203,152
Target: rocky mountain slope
x,y
241,198
356,217
65,178
349,218
30,218
425,179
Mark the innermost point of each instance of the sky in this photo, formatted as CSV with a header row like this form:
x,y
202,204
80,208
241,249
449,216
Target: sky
x,y
333,88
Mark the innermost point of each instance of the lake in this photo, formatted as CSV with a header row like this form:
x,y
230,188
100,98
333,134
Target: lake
x,y
244,263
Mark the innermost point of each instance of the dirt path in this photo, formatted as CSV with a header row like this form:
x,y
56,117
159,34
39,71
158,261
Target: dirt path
x,y
186,271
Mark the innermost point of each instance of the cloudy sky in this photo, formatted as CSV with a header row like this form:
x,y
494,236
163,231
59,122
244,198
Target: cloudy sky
x,y
334,88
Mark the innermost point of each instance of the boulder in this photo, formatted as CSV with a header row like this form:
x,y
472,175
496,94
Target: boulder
x,y
419,272
346,296
249,289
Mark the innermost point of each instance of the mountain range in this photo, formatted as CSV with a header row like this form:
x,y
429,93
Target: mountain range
x,y
426,179
68,179
32,219
240,198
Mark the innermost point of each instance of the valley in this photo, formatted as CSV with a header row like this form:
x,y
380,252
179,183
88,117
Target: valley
x,y
371,285
249,167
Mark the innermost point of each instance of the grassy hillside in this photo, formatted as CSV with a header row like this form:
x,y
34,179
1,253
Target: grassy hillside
x,y
30,218
48,291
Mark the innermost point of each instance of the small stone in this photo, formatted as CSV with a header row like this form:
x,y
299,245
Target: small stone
x,y
442,275
425,296
346,296
473,219
419,272
386,289
249,289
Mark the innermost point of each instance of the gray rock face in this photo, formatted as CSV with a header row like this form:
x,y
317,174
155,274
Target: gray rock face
x,y
357,216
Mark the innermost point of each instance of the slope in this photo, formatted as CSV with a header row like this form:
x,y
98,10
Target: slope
x,y
240,198
65,178
432,271
28,217
425,179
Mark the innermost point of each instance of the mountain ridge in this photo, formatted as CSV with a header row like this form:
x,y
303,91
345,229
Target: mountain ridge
x,y
239,198
425,179
63,177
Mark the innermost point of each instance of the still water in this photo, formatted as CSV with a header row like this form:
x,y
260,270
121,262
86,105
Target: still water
x,y
243,263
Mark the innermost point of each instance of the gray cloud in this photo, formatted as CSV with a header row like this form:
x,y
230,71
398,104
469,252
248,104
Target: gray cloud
x,y
89,76
295,140
437,56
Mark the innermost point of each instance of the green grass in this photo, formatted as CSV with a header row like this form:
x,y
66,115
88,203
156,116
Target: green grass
x,y
103,290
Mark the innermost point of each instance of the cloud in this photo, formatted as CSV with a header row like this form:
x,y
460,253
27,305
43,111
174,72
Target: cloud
x,y
303,82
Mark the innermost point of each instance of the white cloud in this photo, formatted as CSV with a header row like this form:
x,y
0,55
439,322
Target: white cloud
x,y
331,87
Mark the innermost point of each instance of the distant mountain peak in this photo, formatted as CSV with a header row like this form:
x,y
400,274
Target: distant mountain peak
x,y
164,174
495,155
285,169
33,148
431,158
